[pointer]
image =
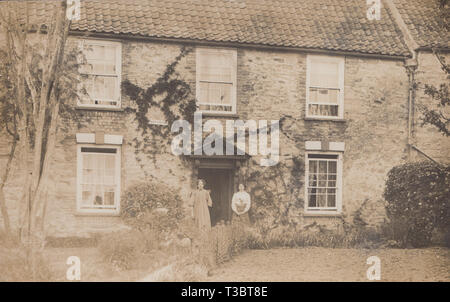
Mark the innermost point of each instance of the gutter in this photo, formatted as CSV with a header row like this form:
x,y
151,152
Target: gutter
x,y
193,42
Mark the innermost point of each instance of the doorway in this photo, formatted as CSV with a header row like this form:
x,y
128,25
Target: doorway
x,y
220,184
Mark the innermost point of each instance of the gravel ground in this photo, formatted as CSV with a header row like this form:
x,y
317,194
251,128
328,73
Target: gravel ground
x,y
324,264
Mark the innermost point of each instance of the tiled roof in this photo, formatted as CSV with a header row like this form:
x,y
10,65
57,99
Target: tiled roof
x,y
425,21
319,24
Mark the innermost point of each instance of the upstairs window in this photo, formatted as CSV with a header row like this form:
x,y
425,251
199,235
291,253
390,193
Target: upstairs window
x,y
323,182
216,80
325,87
101,73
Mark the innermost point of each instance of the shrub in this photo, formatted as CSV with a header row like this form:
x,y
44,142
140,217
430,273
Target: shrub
x,y
152,205
14,266
287,236
418,196
122,248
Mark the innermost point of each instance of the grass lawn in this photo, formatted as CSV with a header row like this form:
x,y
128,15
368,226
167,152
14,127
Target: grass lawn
x,y
325,264
93,267
280,264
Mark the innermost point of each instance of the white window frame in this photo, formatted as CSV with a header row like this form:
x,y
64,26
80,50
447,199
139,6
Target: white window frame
x,y
118,47
233,52
339,186
326,59
113,210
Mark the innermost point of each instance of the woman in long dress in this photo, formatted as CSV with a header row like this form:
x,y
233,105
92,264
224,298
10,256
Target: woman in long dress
x,y
240,204
201,200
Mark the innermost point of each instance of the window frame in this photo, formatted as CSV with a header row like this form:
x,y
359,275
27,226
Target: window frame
x,y
327,59
339,184
118,46
79,194
233,52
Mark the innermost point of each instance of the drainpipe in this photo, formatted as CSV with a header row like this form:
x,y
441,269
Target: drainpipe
x,y
410,66
411,69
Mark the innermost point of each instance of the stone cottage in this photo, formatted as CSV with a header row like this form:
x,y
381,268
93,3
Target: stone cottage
x,y
340,83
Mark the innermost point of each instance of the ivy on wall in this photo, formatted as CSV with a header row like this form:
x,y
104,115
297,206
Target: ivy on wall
x,y
275,190
172,96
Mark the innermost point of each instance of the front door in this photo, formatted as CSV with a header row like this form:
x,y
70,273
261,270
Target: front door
x,y
220,184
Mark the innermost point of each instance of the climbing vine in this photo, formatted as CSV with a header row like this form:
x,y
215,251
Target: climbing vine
x,y
276,190
172,96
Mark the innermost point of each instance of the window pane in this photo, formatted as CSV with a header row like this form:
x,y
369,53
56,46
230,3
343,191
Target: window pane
x,y
320,95
104,87
102,67
94,52
322,167
312,200
101,88
110,53
332,166
87,194
109,198
312,180
324,74
323,110
98,200
313,166
331,191
215,93
331,197
331,200
216,67
321,198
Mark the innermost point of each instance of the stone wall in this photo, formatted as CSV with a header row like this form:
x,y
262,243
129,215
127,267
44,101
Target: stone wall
x,y
374,128
427,138
270,86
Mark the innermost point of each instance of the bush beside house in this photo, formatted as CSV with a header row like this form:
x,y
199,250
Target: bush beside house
x,y
418,196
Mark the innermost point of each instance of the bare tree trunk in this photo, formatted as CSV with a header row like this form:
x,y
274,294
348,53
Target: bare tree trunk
x,y
37,117
3,181
46,131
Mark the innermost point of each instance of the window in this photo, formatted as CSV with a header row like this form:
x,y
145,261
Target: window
x,y
323,182
325,87
101,73
98,188
216,80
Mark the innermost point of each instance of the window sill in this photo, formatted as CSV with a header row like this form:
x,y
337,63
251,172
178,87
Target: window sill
x,y
99,109
341,120
333,214
214,114
102,214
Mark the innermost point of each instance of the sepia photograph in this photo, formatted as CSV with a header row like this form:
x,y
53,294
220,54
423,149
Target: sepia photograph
x,y
209,143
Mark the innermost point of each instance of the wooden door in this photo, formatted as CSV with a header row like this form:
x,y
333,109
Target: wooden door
x,y
219,183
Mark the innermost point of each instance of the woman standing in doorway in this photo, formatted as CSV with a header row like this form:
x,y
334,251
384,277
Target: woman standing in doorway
x,y
201,200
